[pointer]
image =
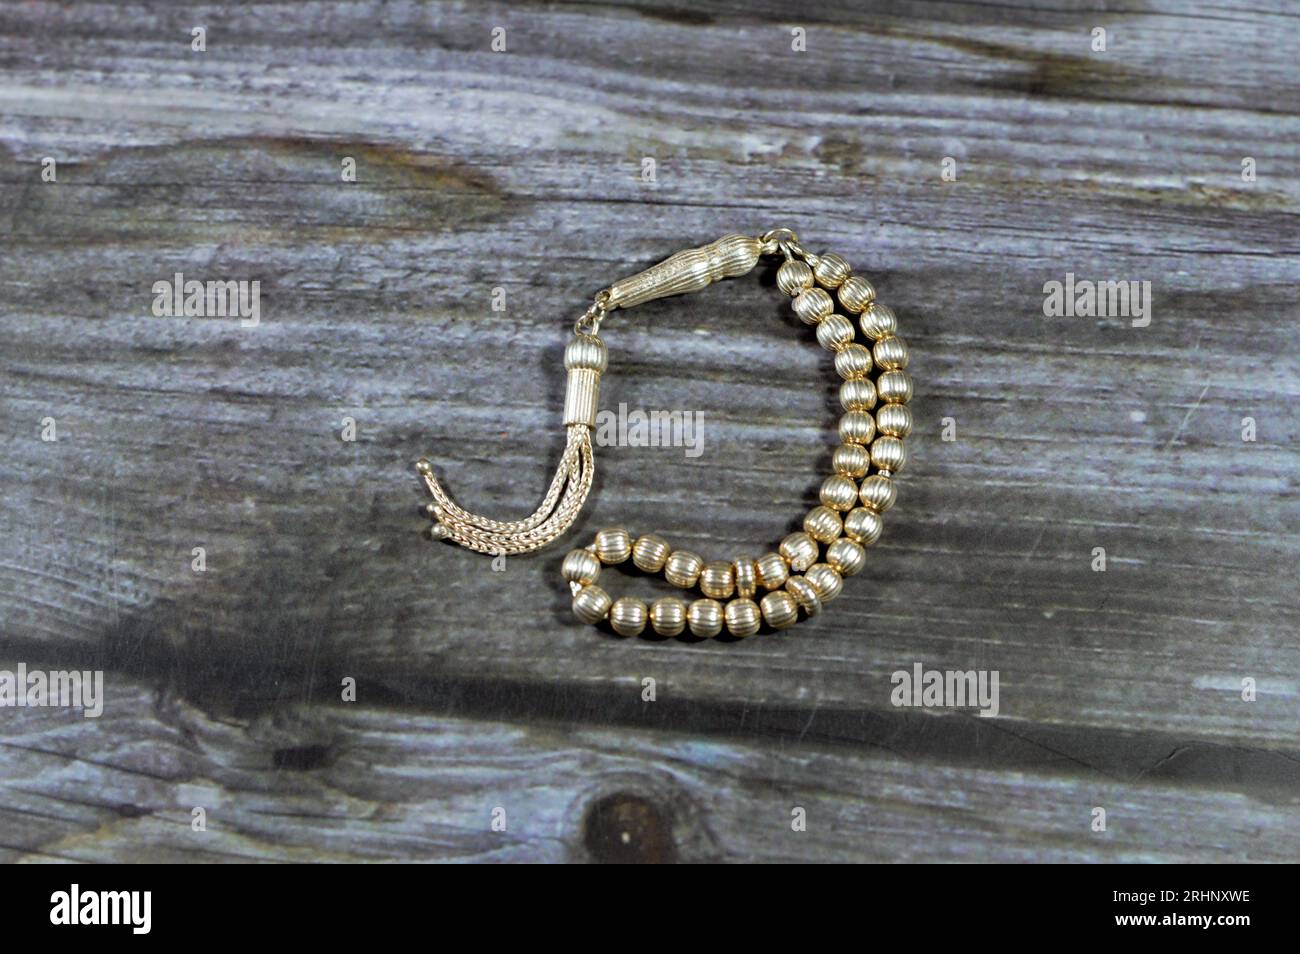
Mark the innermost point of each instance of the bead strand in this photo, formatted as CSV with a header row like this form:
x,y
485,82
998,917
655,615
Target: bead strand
x,y
808,568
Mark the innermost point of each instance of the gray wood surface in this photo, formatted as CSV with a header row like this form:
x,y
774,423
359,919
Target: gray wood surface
x,y
522,171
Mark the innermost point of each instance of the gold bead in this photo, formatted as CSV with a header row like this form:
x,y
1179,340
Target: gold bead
x,y
805,594
591,604
800,550
878,493
894,420
813,305
823,525
863,525
826,580
850,460
613,545
780,609
831,270
890,354
772,570
746,577
857,427
853,361
586,351
717,580
705,618
683,568
856,293
839,492
628,616
743,617
888,453
580,566
857,394
894,387
846,557
668,616
423,466
878,321
650,553
793,277
835,332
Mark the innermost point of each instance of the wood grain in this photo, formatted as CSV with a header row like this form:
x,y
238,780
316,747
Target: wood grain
x,y
522,171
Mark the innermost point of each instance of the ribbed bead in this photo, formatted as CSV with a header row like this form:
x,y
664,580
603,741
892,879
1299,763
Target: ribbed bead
x,y
839,492
772,570
863,525
628,616
813,306
613,545
780,609
793,277
878,321
799,550
846,557
831,270
888,453
850,460
805,594
743,617
746,577
704,618
580,566
668,616
894,420
835,332
826,579
856,294
650,552
857,394
853,361
894,387
718,580
823,525
591,604
878,492
683,568
857,427
890,354
586,351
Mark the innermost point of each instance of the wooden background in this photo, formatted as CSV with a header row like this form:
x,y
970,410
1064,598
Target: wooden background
x,y
522,171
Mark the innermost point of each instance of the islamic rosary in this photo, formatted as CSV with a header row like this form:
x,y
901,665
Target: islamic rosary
x,y
807,569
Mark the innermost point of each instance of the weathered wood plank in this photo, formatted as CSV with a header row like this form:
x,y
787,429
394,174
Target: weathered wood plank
x,y
521,171
360,784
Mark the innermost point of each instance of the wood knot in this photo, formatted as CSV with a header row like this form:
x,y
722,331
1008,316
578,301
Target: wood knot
x,y
623,828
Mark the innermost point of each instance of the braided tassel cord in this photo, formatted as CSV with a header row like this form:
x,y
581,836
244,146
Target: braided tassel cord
x,y
556,513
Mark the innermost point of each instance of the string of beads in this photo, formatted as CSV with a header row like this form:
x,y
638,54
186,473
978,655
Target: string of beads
x,y
808,568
